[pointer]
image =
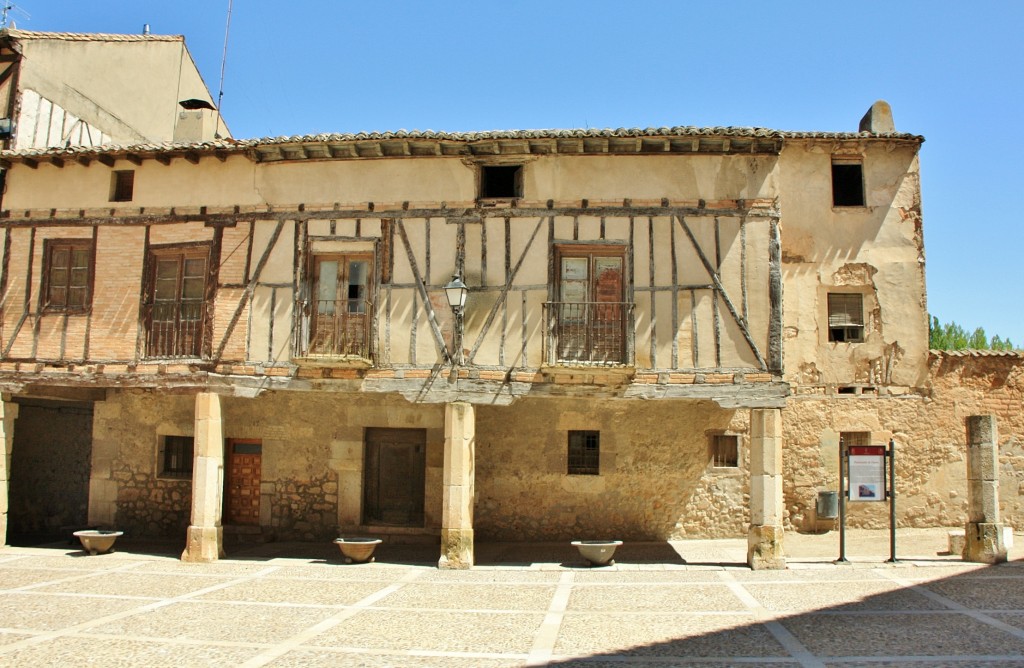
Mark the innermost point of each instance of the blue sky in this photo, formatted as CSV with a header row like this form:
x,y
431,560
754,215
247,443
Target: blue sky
x,y
952,72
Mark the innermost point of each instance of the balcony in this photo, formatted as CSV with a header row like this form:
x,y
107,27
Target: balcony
x,y
339,329
176,330
588,333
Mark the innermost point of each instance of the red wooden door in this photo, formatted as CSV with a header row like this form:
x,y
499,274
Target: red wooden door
x,y
242,500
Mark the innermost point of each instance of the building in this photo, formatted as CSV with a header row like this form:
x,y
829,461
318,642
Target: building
x,y
70,89
254,337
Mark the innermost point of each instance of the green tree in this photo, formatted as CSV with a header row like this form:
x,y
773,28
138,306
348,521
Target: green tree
x,y
952,336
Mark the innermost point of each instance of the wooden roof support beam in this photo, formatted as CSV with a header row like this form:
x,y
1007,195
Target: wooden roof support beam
x,y
57,162
192,157
133,158
84,160
162,158
34,164
221,155
106,160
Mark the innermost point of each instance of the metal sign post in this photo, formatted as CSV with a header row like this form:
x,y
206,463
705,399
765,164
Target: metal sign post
x,y
863,476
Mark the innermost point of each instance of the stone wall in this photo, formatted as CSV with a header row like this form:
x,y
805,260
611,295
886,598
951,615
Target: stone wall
x,y
655,478
148,506
929,433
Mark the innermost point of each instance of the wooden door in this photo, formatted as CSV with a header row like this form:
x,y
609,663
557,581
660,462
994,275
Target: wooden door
x,y
393,481
242,496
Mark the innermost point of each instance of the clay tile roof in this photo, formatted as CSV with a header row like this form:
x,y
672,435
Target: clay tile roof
x,y
1017,354
90,37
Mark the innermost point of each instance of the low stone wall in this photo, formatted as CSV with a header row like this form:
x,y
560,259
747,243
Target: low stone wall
x,y
150,507
929,433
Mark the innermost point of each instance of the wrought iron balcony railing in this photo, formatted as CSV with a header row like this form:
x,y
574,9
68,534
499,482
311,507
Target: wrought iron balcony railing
x,y
588,332
339,328
176,329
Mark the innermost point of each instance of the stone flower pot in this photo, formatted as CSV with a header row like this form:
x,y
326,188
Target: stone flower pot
x,y
357,550
597,552
98,541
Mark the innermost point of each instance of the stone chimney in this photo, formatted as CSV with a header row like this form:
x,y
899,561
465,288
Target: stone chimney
x,y
878,120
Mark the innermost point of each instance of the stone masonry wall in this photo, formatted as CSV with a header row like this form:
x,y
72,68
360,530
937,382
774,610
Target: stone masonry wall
x,y
929,433
655,478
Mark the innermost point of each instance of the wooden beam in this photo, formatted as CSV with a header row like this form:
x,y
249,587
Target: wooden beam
x,y
57,161
84,160
32,162
192,156
133,158
106,160
162,158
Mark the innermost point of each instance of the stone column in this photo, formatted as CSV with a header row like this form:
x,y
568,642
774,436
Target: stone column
x,y
8,412
984,532
764,541
459,476
205,541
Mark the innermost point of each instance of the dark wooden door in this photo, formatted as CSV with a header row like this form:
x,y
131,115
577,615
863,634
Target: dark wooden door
x,y
242,497
393,481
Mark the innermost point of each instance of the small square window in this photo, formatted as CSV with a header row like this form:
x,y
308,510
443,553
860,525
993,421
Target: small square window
x,y
584,452
501,181
176,456
846,317
854,438
847,183
725,451
122,185
67,275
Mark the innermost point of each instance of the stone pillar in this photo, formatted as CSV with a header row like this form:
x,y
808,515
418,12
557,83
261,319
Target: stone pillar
x,y
764,541
459,476
8,412
205,541
984,532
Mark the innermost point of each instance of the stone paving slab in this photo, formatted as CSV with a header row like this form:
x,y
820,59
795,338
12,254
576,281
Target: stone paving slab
x,y
298,605
661,635
936,634
490,632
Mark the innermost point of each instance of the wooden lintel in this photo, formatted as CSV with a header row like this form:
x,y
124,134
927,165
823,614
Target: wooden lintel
x,y
441,213
106,160
133,158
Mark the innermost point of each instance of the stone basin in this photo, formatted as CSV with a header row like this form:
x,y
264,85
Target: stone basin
x,y
98,541
357,550
597,552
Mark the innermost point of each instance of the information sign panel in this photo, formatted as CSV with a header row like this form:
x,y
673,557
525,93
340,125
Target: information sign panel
x,y
867,473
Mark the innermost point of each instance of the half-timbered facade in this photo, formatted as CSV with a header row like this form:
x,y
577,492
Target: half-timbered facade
x,y
260,335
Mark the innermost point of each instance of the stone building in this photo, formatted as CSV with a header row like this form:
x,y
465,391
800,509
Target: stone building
x,y
666,334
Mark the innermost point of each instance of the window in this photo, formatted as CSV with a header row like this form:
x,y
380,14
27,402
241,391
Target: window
x,y
122,185
176,456
845,317
725,451
67,274
501,181
340,309
584,452
853,438
847,183
589,322
177,319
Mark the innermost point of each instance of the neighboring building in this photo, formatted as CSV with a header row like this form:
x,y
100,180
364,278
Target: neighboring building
x,y
68,89
253,336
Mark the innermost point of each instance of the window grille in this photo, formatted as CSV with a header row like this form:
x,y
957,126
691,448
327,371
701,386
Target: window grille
x,y
725,451
845,317
176,456
584,452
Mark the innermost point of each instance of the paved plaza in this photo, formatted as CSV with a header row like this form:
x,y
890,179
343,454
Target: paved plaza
x,y
679,604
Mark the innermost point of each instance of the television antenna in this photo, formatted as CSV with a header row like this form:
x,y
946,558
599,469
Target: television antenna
x,y
6,10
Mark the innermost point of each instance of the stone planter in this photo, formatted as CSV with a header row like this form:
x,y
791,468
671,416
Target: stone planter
x,y
98,541
357,550
597,552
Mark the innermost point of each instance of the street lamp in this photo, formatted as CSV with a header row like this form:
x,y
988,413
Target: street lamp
x,y
456,292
